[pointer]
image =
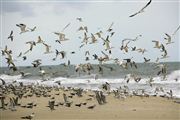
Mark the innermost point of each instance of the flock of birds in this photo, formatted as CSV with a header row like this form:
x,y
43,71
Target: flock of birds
x,y
87,38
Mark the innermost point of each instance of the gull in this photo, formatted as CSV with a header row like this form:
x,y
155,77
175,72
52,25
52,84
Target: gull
x,y
11,36
141,50
30,117
85,39
79,105
107,43
51,104
163,48
110,29
99,34
39,40
150,81
133,63
87,53
79,19
93,38
133,48
22,27
164,55
170,93
47,48
121,63
32,29
23,74
112,33
168,38
95,57
62,53
125,47
163,69
142,9
80,28
130,39
157,45
146,60
10,61
36,63
62,37
32,43
24,57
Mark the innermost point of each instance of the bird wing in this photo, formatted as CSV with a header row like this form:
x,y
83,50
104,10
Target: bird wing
x,y
146,5
142,9
66,26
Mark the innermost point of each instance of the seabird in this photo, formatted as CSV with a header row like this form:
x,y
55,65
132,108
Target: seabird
x,y
157,45
146,60
168,38
11,36
47,48
142,10
30,117
22,27
39,40
62,37
79,19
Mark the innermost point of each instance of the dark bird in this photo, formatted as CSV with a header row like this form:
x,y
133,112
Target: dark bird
x,y
79,105
3,82
146,60
142,10
29,117
11,36
79,19
24,57
91,107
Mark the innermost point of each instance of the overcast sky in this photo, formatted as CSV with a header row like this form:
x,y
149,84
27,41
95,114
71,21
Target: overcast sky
x,y
159,17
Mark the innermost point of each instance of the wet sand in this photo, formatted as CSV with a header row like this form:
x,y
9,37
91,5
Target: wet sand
x,y
131,108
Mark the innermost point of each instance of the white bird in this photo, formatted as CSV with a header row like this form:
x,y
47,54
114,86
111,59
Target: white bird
x,y
47,48
22,27
31,116
168,38
62,36
157,45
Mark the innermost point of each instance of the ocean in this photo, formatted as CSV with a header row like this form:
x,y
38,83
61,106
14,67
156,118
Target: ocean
x,y
112,73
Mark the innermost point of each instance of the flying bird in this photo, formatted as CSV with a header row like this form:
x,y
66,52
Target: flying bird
x,y
11,36
168,38
79,19
142,10
22,27
157,45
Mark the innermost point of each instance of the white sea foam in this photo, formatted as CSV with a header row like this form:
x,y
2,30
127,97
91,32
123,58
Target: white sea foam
x,y
172,82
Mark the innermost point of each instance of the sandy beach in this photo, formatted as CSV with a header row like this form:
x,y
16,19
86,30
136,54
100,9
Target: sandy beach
x,y
131,108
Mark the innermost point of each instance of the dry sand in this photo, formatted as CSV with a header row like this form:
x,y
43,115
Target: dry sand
x,y
132,108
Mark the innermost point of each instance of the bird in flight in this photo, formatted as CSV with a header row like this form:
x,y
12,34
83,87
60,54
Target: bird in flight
x,y
11,36
22,27
142,9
